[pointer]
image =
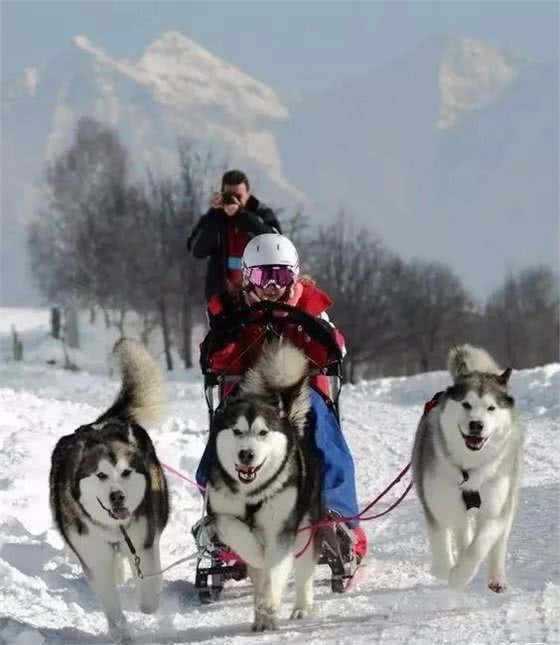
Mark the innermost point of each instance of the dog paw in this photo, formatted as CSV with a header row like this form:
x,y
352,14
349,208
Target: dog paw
x,y
301,612
265,619
497,585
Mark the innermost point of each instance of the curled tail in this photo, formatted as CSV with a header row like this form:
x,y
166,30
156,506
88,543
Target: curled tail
x,y
141,398
281,373
465,359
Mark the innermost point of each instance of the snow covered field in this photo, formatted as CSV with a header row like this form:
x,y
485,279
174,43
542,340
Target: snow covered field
x,y
44,597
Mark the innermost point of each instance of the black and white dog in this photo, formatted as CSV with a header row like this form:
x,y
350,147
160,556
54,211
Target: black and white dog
x,y
467,462
264,480
106,477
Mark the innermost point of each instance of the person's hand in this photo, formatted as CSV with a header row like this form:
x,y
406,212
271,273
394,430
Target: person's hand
x,y
231,209
216,200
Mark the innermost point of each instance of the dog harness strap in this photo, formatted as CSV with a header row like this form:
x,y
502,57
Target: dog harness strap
x,y
431,404
471,498
132,551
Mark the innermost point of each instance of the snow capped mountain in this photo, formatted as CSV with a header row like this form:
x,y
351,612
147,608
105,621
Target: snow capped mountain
x,y
453,130
454,133
471,75
176,89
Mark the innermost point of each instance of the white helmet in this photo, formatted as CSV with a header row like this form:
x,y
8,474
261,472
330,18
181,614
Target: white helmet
x,y
270,249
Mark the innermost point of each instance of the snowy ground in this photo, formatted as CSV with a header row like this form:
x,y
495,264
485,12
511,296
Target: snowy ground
x,y
45,599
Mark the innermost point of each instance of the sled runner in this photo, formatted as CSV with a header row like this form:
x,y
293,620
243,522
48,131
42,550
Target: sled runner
x,y
217,563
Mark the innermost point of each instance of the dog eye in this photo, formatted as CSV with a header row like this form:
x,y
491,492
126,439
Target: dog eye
x,y
101,476
126,473
467,405
237,432
263,433
491,408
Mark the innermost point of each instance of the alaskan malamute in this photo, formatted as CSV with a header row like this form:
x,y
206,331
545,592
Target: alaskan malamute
x,y
467,455
264,480
106,482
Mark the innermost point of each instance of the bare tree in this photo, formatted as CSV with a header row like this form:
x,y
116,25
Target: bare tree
x,y
72,240
522,319
431,309
197,173
360,275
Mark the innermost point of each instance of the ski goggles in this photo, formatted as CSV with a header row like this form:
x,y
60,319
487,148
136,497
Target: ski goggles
x,y
264,276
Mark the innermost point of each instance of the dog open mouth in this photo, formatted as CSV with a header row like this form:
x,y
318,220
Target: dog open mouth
x,y
120,513
474,442
116,512
247,474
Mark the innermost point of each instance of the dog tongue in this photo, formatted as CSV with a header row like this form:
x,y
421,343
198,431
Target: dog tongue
x,y
474,442
120,513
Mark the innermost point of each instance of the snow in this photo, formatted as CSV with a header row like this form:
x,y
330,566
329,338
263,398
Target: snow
x,y
45,599
472,74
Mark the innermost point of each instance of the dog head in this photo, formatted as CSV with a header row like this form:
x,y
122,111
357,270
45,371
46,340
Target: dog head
x,y
111,471
256,431
254,436
478,408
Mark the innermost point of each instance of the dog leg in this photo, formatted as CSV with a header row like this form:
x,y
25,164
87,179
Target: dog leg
x,y
149,589
488,531
304,570
256,576
278,566
497,560
241,539
99,558
463,537
442,556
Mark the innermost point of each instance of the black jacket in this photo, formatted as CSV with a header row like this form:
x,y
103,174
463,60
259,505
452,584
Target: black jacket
x,y
209,236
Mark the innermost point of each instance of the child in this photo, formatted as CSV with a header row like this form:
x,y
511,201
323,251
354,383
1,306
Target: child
x,y
270,266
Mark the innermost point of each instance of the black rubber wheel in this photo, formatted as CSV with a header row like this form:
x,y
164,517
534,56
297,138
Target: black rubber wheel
x,y
205,596
337,585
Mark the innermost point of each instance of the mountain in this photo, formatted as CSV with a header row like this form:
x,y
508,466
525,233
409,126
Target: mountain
x,y
449,153
175,89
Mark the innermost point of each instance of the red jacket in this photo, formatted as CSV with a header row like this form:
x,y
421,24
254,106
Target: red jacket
x,y
238,356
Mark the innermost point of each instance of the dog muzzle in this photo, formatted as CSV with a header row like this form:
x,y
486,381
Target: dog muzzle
x,y
474,441
247,474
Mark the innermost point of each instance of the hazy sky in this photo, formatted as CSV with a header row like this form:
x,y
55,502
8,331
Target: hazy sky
x,y
270,40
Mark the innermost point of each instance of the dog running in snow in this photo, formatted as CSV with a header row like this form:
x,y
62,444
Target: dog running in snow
x,y
106,477
264,480
467,466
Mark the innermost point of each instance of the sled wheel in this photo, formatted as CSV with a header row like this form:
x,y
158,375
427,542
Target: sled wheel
x,y
217,585
205,596
337,585
213,593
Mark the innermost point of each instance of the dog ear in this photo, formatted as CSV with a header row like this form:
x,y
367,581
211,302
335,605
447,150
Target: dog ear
x,y
456,391
503,378
294,403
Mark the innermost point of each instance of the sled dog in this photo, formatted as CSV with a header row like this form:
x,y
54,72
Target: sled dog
x,y
466,462
264,480
106,483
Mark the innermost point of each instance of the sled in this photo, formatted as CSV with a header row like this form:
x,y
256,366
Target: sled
x,y
217,564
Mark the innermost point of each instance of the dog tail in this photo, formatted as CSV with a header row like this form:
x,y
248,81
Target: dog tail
x,y
280,367
465,359
280,375
141,398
